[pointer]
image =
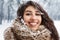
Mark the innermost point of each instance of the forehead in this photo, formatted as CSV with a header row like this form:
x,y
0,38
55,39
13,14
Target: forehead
x,y
32,8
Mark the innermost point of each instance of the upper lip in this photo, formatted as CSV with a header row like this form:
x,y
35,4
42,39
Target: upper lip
x,y
33,22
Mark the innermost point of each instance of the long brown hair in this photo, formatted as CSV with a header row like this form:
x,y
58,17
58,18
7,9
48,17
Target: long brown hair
x,y
46,21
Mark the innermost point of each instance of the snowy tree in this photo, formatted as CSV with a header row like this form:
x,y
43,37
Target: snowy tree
x,y
1,10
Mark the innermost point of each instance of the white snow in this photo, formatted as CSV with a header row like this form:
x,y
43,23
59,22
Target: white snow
x,y
57,24
5,24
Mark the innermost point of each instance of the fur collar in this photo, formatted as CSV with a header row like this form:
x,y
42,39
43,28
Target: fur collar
x,y
23,30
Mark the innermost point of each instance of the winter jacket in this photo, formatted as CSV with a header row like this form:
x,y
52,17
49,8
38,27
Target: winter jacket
x,y
21,32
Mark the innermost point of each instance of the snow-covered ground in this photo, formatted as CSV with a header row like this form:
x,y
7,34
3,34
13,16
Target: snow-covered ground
x,y
5,24
57,24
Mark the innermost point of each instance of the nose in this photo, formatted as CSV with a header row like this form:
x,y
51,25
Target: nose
x,y
33,17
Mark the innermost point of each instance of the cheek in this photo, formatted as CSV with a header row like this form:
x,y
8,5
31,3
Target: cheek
x,y
26,19
40,19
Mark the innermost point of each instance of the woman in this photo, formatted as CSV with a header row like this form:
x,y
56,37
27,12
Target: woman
x,y
32,23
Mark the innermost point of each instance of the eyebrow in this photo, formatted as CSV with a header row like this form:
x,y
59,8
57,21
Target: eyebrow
x,y
37,11
28,11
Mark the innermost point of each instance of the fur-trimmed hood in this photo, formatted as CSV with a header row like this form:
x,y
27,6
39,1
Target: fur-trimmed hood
x,y
22,32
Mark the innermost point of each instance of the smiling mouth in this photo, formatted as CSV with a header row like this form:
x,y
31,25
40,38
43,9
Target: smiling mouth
x,y
33,23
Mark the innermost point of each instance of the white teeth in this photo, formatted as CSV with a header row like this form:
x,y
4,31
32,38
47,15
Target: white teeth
x,y
33,24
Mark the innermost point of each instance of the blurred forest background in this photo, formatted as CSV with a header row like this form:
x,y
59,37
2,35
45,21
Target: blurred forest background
x,y
8,8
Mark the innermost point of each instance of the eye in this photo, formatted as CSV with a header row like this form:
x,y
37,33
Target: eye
x,y
28,14
38,14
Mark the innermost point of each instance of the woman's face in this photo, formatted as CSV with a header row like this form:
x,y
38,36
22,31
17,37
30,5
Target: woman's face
x,y
32,17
